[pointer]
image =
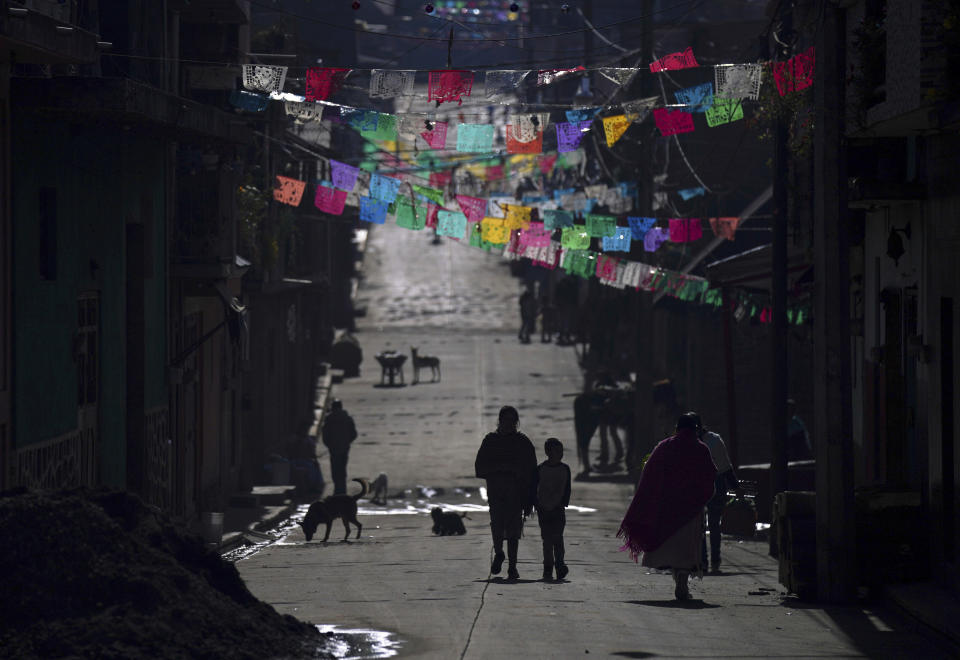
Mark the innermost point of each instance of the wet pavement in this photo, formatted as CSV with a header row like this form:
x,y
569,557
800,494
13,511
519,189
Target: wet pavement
x,y
435,594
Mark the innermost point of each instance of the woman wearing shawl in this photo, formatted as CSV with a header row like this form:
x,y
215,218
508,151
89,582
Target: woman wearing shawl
x,y
665,518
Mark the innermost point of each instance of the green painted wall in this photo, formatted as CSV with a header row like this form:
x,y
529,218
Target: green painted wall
x,y
103,178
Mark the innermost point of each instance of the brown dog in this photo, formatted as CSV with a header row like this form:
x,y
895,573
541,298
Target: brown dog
x,y
330,508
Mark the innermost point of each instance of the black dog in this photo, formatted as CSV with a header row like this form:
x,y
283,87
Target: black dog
x,y
447,523
329,509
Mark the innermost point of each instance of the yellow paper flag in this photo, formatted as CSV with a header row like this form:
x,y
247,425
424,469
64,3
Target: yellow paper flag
x,y
494,230
518,217
614,127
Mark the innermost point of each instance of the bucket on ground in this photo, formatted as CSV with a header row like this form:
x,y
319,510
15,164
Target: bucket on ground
x,y
212,527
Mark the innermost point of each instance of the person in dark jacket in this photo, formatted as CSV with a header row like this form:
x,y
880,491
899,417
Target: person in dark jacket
x,y
508,461
338,432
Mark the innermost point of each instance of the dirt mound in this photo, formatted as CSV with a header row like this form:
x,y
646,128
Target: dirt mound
x,y
96,573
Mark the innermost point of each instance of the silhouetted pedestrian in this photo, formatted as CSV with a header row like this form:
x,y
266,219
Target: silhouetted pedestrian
x,y
725,480
665,518
553,496
338,432
508,461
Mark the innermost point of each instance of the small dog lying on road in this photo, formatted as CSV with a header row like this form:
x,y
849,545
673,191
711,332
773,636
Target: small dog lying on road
x,y
378,489
329,509
447,523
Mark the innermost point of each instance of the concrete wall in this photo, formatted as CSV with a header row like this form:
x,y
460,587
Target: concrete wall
x,y
101,179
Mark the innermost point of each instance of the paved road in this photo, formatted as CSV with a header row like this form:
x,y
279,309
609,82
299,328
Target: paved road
x,y
435,593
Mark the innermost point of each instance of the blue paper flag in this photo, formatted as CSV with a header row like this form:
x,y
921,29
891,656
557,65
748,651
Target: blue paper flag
x,y
373,210
640,226
690,193
248,101
557,194
582,114
619,242
698,98
384,187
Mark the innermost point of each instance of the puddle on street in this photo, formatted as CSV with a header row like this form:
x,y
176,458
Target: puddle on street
x,y
357,644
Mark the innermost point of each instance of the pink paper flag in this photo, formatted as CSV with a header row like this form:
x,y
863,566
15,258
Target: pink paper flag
x,y
607,267
494,172
796,74
449,85
440,179
473,207
289,191
671,122
330,200
546,164
684,230
694,229
437,136
323,82
535,235
432,211
674,61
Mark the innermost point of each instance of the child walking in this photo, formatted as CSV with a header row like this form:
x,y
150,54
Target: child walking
x,y
553,495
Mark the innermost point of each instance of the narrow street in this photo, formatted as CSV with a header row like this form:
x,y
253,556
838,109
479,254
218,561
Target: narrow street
x,y
434,594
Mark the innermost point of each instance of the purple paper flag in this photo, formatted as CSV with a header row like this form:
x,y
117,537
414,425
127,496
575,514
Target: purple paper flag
x,y
344,176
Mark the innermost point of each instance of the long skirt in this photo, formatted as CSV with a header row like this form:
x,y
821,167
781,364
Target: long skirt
x,y
681,551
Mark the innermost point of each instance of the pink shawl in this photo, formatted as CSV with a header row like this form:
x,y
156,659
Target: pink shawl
x,y
675,485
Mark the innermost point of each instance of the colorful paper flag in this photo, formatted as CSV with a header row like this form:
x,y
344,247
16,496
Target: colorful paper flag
x,y
614,127
436,137
330,200
575,238
607,267
373,210
322,82
452,224
343,176
410,216
684,230
433,212
473,208
446,85
689,193
475,138
640,226
248,101
556,219
546,164
698,98
601,225
671,122
675,61
494,230
518,217
796,74
724,111
515,146
535,235
384,187
655,237
570,134
724,227
619,242
289,191
432,194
